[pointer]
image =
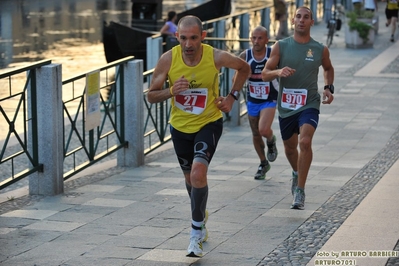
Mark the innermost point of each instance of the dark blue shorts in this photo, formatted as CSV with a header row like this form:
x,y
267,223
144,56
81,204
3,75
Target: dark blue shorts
x,y
199,146
290,125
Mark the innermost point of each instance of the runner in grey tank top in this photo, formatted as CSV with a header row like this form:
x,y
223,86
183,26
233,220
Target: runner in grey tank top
x,y
296,62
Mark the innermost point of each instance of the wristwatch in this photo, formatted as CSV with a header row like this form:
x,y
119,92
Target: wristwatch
x,y
330,87
235,95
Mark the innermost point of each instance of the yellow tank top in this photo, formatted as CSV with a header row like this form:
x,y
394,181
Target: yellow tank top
x,y
392,4
195,108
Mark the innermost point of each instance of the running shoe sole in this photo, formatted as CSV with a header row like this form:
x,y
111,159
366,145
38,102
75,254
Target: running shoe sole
x,y
297,207
193,255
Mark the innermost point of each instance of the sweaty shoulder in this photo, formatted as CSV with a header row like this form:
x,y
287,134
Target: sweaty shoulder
x,y
219,56
167,56
243,55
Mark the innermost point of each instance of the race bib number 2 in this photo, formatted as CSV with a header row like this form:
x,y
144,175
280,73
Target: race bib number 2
x,y
293,99
192,101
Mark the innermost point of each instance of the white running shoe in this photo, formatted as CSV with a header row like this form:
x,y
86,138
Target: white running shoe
x,y
195,247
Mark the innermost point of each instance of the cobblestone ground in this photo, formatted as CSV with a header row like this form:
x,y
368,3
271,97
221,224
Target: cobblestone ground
x,y
393,67
302,245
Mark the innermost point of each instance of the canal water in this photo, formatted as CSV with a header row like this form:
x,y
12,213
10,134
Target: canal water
x,y
69,31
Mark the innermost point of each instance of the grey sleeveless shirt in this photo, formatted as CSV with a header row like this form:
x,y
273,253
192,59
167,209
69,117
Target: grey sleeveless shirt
x,y
299,91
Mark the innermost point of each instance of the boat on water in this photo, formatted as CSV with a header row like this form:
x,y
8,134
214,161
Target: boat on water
x,y
208,11
121,40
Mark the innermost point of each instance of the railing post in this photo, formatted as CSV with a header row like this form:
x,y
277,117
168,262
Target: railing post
x,y
235,111
154,45
265,19
244,30
313,7
220,32
131,86
50,132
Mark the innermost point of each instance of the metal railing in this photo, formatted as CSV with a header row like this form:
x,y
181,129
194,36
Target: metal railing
x,y
83,147
156,119
18,109
47,121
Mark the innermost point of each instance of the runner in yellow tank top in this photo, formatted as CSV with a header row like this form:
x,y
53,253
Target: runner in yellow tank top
x,y
196,118
391,13
195,107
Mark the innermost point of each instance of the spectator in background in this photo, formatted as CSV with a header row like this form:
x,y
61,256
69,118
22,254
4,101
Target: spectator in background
x,y
280,14
168,31
370,5
170,27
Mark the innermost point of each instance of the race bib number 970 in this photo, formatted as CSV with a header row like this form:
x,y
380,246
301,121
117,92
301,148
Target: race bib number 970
x,y
192,101
293,99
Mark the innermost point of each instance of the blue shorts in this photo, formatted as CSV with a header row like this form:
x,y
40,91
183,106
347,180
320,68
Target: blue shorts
x,y
290,125
255,108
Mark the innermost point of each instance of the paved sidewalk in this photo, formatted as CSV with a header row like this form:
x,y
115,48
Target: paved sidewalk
x,y
141,216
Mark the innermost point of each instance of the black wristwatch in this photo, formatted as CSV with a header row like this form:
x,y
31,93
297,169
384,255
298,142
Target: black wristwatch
x,y
330,87
235,95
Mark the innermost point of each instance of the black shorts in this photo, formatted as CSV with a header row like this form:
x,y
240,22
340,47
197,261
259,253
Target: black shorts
x,y
389,13
199,146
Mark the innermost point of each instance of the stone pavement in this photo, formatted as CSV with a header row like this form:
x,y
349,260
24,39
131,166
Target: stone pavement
x,y
141,216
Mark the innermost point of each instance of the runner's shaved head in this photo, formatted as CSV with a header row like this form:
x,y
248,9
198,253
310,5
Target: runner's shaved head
x,y
190,21
261,29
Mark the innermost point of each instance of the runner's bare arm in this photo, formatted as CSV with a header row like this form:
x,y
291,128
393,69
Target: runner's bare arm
x,y
328,76
156,92
270,71
228,60
327,66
